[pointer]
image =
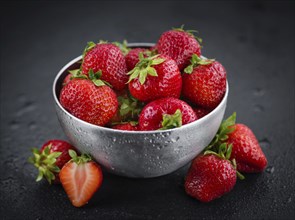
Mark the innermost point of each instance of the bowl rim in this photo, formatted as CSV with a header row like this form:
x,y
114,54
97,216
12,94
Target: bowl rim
x,y
194,123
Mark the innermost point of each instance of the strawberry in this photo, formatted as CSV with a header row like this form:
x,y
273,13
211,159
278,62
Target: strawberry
x,y
67,79
50,159
204,82
81,178
128,126
155,77
180,45
165,113
108,59
91,101
201,112
210,177
246,150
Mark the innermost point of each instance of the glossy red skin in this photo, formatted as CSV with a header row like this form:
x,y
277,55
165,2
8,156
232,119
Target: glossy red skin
x,y
209,177
59,146
201,112
151,116
168,83
126,127
90,103
205,86
67,79
132,57
110,60
246,150
178,45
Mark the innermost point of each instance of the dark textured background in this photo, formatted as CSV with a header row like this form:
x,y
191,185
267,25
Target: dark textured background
x,y
253,40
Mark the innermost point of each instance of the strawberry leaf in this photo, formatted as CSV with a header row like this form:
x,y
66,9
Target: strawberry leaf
x,y
172,121
196,61
145,68
45,162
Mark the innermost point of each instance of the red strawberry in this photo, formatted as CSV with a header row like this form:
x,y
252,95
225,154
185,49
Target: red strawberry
x,y
50,159
80,178
210,177
245,147
89,102
155,77
129,126
204,83
67,79
180,45
166,113
108,59
132,57
201,112
246,150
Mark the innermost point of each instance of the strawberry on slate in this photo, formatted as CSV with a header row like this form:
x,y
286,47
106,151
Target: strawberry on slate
x,y
81,178
89,100
210,177
50,159
109,59
180,45
245,148
204,82
166,113
155,77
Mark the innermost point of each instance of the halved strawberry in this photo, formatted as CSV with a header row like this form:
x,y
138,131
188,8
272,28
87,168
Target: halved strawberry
x,y
81,178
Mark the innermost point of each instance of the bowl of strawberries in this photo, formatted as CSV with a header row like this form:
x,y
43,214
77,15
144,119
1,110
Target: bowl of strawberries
x,y
141,109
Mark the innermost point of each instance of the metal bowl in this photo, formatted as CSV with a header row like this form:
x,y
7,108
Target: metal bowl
x,y
140,154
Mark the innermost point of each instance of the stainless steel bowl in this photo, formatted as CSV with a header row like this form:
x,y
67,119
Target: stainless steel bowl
x,y
139,154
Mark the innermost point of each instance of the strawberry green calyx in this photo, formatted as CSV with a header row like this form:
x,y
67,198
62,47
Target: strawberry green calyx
x,y
84,158
190,32
129,107
218,145
77,74
45,163
172,121
145,67
226,127
95,78
123,46
195,61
